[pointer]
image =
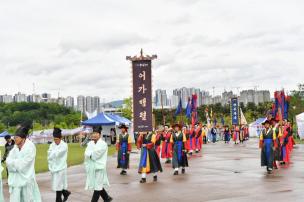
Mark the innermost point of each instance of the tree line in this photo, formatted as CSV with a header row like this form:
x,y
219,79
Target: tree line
x,y
42,115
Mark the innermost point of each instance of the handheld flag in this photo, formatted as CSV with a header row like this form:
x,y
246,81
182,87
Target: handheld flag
x,y
188,109
179,107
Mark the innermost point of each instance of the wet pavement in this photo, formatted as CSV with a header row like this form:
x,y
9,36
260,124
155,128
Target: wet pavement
x,y
221,173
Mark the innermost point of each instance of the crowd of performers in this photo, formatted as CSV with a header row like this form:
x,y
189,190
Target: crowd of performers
x,y
276,143
172,144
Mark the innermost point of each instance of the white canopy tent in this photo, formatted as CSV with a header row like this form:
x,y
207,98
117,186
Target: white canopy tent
x,y
256,127
300,124
44,136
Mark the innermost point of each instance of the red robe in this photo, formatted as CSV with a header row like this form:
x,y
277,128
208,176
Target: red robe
x,y
198,138
190,144
166,146
157,143
236,134
285,145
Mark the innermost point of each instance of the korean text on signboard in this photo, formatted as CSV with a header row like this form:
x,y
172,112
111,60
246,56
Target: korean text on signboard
x,y
234,111
142,96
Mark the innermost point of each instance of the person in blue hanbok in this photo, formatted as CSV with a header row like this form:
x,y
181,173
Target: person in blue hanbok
x,y
149,160
178,139
95,161
124,147
21,167
267,145
213,133
227,134
57,162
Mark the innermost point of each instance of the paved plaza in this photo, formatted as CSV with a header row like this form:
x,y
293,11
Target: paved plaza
x,y
221,173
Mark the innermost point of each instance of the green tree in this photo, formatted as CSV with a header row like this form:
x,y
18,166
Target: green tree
x,y
127,108
2,127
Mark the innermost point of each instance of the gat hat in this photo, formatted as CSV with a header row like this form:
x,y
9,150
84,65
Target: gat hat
x,y
23,130
7,137
267,121
57,132
97,129
123,126
177,125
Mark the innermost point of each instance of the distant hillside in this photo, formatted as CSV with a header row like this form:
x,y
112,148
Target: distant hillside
x,y
116,103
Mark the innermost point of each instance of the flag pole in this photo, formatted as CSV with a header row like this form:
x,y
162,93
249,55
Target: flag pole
x,y
162,109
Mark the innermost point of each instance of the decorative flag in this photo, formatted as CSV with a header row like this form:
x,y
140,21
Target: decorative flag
x,y
243,119
234,111
207,117
211,114
194,109
188,109
222,121
214,121
280,106
179,107
92,114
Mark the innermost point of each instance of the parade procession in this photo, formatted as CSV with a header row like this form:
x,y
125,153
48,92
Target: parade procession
x,y
154,148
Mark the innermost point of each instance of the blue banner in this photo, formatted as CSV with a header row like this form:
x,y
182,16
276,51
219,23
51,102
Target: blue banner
x,y
235,111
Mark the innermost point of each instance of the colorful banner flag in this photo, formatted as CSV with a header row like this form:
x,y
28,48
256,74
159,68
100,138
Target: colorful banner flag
x,y
234,111
188,109
179,107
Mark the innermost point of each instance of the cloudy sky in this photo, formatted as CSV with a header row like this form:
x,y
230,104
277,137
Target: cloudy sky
x,y
79,47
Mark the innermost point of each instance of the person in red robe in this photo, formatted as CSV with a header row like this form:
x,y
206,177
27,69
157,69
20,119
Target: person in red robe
x,y
198,138
158,139
284,142
191,140
166,145
236,134
291,141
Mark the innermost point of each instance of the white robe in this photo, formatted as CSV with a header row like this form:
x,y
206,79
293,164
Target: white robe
x,y
57,162
1,187
21,180
95,163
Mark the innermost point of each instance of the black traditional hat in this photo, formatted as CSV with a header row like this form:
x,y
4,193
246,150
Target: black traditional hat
x,y
57,132
23,130
177,125
123,126
7,137
273,120
267,121
97,129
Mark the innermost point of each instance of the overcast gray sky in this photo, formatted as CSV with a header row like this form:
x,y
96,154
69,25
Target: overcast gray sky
x,y
79,46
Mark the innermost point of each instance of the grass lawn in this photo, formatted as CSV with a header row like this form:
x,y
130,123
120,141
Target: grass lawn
x,y
299,141
75,156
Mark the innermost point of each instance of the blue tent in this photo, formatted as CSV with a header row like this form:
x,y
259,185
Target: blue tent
x,y
119,119
3,134
100,120
259,121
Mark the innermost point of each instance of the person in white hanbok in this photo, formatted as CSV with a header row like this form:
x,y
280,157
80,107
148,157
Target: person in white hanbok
x,y
57,162
1,187
21,167
95,160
